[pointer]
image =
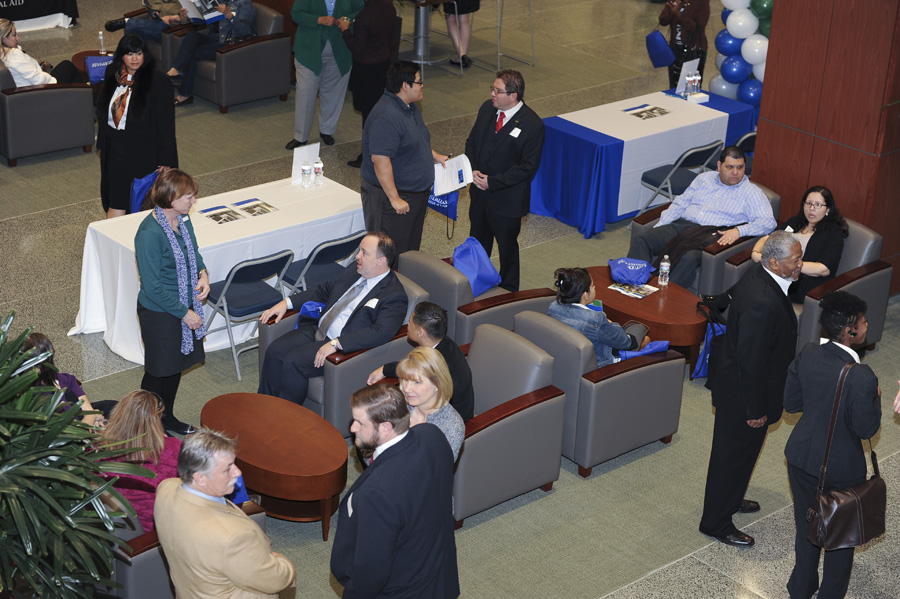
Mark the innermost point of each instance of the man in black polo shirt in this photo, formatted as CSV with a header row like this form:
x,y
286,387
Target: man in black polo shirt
x,y
398,162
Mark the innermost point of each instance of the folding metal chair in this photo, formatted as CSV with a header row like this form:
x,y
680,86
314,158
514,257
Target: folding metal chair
x,y
322,264
747,143
672,180
244,295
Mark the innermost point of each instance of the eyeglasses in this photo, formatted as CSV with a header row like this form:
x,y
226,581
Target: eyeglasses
x,y
422,83
816,205
494,90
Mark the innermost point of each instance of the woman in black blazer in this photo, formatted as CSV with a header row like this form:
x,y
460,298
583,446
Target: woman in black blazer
x,y
136,124
820,229
811,382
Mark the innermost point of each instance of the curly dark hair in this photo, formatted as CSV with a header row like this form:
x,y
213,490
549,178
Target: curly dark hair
x,y
832,219
840,310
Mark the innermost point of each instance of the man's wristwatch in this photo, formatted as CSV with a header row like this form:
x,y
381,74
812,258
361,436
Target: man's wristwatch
x,y
334,344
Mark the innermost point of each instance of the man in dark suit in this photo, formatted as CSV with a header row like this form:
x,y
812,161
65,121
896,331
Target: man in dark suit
x,y
428,328
747,378
364,307
504,148
395,525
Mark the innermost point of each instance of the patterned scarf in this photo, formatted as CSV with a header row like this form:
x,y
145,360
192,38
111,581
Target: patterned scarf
x,y
184,285
120,103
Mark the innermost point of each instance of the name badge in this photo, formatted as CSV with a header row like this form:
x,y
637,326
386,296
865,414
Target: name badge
x,y
515,132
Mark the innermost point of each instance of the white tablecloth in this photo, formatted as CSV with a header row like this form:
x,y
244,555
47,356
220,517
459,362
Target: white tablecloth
x,y
109,277
653,141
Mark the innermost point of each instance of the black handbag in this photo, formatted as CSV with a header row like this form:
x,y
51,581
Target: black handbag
x,y
851,517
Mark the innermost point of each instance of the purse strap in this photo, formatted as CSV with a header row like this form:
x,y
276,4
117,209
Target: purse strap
x,y
834,412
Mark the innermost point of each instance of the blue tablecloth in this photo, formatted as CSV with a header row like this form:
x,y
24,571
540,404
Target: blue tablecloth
x,y
579,177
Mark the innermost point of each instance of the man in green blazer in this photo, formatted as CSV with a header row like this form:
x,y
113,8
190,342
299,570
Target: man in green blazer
x,y
323,62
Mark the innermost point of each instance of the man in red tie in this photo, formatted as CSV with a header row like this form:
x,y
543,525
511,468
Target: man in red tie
x,y
504,148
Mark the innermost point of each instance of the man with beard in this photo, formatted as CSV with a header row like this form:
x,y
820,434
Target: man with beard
x,y
395,524
747,378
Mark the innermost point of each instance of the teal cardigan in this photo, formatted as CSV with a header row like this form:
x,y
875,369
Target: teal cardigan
x,y
156,267
311,37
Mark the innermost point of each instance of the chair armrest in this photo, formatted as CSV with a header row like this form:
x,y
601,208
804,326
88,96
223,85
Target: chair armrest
x,y
741,257
249,42
845,279
15,91
340,357
135,13
650,215
504,299
142,544
251,508
184,29
465,348
607,372
716,249
509,408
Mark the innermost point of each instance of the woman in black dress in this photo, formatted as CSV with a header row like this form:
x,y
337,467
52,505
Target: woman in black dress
x,y
136,124
174,282
461,32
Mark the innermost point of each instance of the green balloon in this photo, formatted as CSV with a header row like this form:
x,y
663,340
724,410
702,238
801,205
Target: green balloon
x,y
765,25
762,8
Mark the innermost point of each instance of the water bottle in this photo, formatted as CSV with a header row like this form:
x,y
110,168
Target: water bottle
x,y
306,175
320,172
664,268
102,41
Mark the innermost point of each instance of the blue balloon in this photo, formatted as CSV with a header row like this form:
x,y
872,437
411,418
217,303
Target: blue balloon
x,y
725,13
750,92
735,69
727,44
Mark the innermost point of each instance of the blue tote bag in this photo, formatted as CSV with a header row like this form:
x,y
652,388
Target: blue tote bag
x,y
658,49
139,188
470,259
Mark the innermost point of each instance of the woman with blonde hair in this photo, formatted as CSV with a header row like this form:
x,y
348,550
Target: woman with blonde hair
x,y
425,381
26,70
136,424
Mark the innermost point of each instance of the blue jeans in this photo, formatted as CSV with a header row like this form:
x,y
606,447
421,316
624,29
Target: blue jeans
x,y
145,27
194,48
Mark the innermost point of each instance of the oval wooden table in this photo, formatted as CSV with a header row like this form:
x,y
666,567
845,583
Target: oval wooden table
x,y
292,457
670,313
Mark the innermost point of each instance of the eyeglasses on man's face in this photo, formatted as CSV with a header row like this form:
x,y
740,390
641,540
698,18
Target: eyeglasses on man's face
x,y
814,205
494,90
422,83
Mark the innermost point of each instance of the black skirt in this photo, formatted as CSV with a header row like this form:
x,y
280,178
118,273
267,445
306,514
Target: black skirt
x,y
161,334
463,7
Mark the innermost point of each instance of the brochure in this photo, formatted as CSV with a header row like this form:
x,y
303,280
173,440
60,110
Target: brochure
x,y
222,214
456,175
255,207
199,11
638,291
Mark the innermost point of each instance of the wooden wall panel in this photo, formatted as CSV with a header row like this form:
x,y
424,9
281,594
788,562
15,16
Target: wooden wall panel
x,y
885,216
856,72
784,172
848,173
798,45
890,116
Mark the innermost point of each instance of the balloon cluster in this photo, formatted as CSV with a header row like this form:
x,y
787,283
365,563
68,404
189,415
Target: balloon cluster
x,y
742,47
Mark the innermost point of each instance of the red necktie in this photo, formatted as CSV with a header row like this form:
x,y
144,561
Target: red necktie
x,y
500,122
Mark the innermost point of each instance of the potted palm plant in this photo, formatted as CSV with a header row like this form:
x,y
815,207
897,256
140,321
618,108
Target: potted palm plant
x,y
56,534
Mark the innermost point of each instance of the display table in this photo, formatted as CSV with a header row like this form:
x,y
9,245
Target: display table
x,y
288,454
593,159
109,277
40,14
670,313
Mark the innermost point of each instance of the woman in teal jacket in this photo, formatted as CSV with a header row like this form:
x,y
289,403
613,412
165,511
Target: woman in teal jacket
x,y
323,62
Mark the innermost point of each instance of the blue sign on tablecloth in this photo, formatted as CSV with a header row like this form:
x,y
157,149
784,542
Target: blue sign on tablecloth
x,y
569,185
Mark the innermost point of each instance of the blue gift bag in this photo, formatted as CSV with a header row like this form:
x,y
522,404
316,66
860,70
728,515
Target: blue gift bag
x,y
713,330
470,259
658,49
139,189
651,348
630,271
311,310
445,204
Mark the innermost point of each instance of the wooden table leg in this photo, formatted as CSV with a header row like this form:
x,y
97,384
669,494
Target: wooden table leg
x,y
325,507
692,360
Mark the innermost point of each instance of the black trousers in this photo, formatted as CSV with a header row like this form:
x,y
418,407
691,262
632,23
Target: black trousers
x,y
485,227
288,365
649,245
735,449
65,72
675,67
804,579
404,229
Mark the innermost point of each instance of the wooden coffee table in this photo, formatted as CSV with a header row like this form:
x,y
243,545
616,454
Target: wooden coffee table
x,y
295,459
671,313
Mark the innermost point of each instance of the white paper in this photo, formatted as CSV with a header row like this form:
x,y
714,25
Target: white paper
x,y
307,153
202,10
457,175
688,67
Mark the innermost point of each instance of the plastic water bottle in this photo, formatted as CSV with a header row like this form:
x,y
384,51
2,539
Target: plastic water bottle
x,y
102,41
320,172
306,175
664,267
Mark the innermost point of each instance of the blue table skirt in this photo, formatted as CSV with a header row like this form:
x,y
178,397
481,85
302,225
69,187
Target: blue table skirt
x,y
570,184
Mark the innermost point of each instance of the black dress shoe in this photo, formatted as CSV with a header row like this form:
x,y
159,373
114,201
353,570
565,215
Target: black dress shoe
x,y
356,162
466,61
748,506
737,539
185,102
326,139
176,426
294,144
115,25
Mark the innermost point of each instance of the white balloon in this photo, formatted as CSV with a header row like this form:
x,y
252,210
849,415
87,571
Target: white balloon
x,y
759,71
720,58
742,23
755,48
718,85
735,4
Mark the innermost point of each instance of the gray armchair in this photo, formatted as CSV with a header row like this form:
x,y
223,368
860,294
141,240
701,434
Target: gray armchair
x,y
609,410
329,394
245,71
163,51
710,277
513,444
859,272
37,119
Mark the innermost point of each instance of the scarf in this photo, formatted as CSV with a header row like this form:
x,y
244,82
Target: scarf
x,y
120,103
185,285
